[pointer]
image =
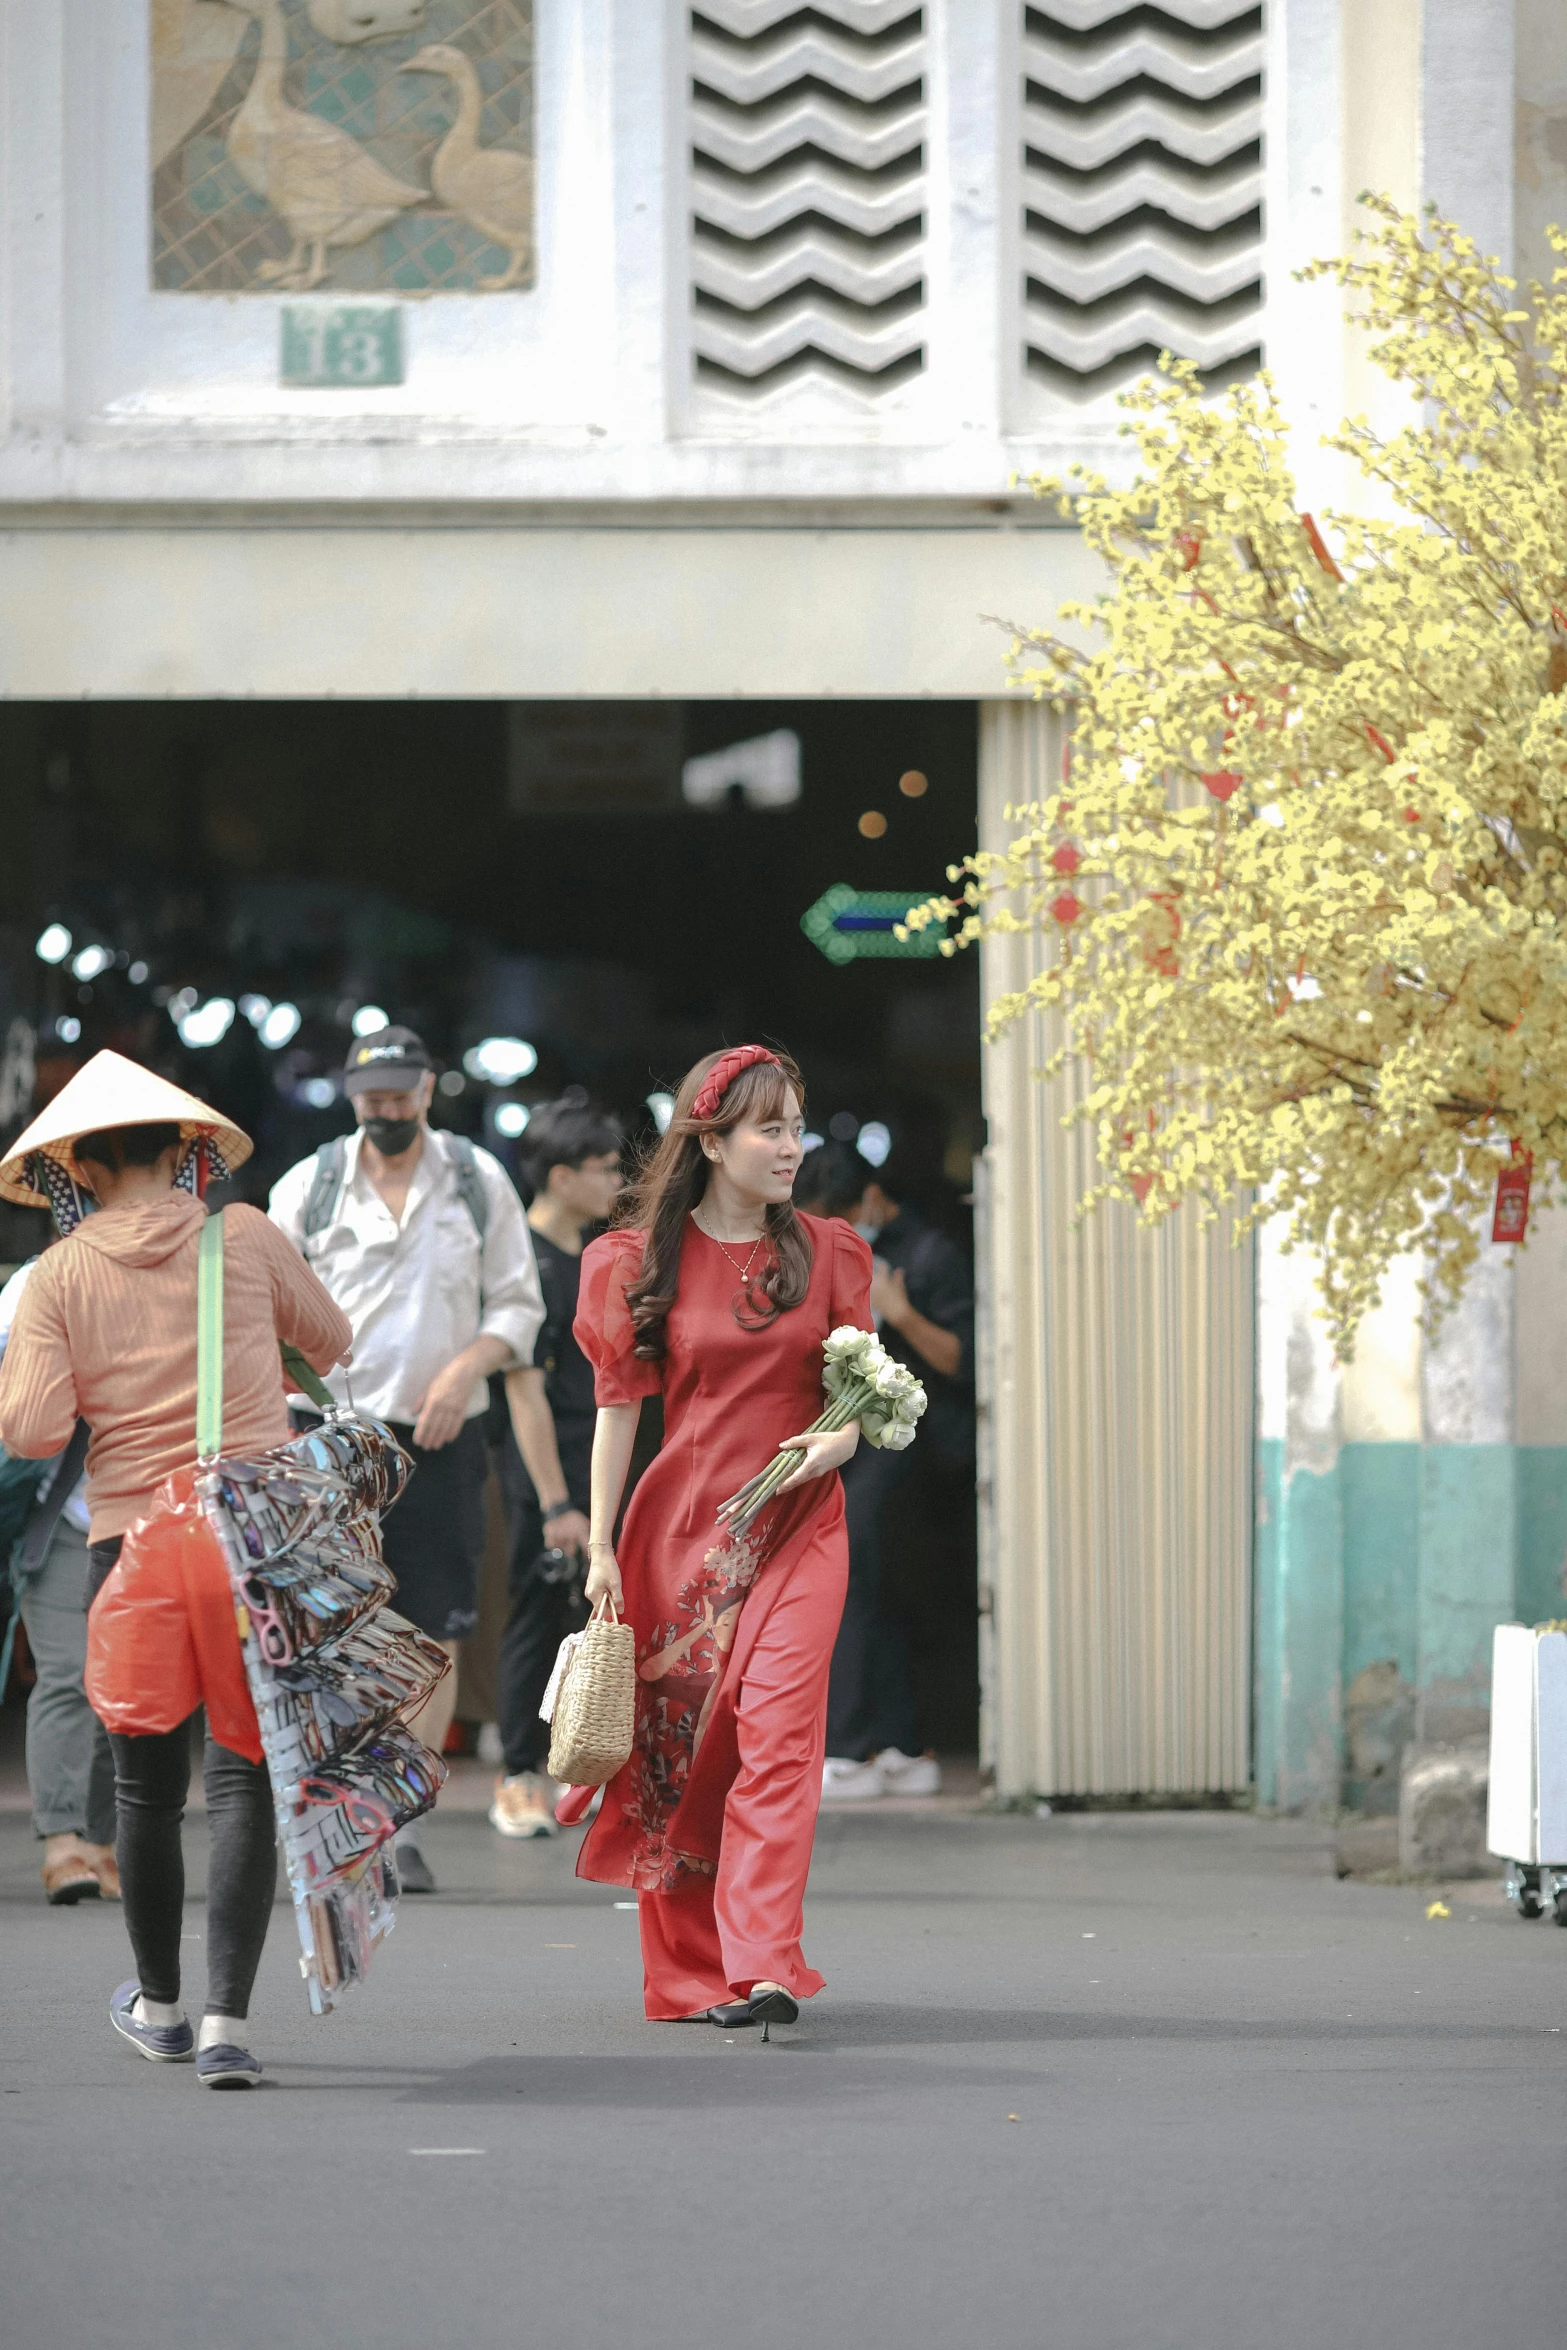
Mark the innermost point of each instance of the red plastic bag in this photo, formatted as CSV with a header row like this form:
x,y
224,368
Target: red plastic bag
x,y
163,1636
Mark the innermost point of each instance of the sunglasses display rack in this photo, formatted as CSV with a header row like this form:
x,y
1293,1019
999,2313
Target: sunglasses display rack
x,y
334,1673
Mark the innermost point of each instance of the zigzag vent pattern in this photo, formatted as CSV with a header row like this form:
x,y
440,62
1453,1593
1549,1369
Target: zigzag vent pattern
x,y
1142,226
808,192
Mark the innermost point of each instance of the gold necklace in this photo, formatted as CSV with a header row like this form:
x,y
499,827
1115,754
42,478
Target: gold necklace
x,y
744,1270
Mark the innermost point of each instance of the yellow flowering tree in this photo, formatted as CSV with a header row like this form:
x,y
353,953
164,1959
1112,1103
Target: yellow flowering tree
x,y
1304,874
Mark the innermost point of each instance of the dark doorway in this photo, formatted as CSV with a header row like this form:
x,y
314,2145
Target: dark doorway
x,y
480,869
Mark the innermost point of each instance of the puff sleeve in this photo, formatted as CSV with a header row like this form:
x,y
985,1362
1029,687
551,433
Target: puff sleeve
x,y
603,1324
851,1277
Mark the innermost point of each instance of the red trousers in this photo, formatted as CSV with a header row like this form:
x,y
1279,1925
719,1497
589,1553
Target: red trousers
x,y
714,1936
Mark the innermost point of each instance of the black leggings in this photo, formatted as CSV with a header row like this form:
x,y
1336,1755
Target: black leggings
x,y
151,1782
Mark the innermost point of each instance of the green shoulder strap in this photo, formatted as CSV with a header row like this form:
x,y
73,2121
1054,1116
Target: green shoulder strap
x,y
209,1340
306,1381
209,1348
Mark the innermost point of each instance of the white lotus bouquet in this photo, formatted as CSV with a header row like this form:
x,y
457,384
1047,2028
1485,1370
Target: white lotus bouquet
x,y
865,1384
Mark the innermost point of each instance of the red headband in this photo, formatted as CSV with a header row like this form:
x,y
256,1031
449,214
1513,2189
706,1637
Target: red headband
x,y
723,1073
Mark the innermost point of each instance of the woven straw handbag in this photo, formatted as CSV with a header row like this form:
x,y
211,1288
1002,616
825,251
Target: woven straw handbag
x,y
595,1707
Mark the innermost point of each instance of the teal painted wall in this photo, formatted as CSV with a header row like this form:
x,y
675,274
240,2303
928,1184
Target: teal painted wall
x,y
1401,1553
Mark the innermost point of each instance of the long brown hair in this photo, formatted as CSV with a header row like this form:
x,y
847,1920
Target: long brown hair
x,y
672,1182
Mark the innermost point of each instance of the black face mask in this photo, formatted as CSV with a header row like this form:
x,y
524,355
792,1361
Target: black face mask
x,y
391,1136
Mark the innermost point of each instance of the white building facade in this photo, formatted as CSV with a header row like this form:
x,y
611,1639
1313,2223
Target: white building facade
x,y
622,348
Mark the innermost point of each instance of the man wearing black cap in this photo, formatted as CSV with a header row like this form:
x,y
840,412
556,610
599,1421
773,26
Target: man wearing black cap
x,y
421,1240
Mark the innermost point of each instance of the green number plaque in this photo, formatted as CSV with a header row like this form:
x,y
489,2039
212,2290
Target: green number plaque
x,y
355,344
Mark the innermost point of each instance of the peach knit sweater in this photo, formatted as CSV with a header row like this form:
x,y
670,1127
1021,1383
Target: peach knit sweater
x,y
106,1332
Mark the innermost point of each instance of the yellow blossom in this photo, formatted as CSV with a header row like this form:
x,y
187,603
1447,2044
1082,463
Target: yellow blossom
x,y
1314,943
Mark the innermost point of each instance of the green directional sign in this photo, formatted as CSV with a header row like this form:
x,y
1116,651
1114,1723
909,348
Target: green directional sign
x,y
850,923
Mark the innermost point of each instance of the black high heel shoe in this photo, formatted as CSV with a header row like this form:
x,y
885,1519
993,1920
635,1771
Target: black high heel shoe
x,y
763,2007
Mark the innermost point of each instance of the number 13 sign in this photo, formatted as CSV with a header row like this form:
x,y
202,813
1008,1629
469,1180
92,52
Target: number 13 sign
x,y
350,346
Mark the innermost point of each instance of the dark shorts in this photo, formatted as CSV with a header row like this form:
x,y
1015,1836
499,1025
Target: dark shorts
x,y
433,1538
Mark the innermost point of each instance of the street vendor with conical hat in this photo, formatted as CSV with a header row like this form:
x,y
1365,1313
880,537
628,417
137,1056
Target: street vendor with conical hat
x,y
106,1332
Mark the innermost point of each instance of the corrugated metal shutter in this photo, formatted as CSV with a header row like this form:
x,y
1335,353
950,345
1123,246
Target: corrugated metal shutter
x,y
1116,1506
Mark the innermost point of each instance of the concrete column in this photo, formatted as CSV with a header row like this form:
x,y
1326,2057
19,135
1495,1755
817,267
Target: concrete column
x,y
1466,117
1299,1557
1468,1500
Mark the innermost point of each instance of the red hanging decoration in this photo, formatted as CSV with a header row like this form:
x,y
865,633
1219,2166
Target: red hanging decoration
x,y
1065,860
1066,908
1318,545
1224,785
1511,1218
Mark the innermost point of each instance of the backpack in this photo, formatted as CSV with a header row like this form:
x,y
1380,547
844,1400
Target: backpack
x,y
27,1527
326,1185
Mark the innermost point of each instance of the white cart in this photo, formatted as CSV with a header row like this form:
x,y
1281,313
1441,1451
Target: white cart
x,y
1526,1821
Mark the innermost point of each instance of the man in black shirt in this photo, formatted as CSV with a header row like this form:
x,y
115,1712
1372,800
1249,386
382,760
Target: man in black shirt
x,y
922,1294
572,1158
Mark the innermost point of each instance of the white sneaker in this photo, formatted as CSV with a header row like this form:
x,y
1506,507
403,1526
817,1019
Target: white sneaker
x,y
523,1807
845,1781
908,1774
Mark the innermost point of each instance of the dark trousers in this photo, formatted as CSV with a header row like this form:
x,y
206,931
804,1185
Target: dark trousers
x,y
870,1698
538,1619
151,1782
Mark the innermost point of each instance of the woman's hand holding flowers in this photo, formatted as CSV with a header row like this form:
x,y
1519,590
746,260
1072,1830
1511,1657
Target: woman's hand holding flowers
x,y
872,1396
824,1449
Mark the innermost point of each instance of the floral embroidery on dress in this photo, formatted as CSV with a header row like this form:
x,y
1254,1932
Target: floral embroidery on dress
x,y
679,1674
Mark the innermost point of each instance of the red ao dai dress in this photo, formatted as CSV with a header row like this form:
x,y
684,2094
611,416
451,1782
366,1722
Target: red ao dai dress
x,y
713,1818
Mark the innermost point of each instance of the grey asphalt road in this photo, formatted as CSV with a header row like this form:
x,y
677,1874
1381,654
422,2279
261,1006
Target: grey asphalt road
x,y
1086,2082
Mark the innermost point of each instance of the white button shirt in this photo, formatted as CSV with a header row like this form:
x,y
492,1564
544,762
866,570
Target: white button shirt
x,y
420,1291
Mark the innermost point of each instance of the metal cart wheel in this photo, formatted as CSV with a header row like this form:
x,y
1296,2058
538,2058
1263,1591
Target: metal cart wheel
x,y
1522,1887
1560,1905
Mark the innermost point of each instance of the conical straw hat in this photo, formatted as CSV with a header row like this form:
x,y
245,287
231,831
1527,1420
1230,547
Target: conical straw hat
x,y
111,1091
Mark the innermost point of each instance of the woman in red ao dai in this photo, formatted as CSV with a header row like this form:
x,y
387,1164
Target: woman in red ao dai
x,y
716,1294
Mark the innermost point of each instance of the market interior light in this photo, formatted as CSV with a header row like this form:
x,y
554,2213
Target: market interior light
x,y
765,771
368,1019
500,1060
811,1142
53,944
318,1093
255,1008
279,1026
209,1023
511,1119
662,1106
873,1142
137,974
91,961
68,1030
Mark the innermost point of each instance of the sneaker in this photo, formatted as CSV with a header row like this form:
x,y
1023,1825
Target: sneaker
x,y
159,2043
414,1873
523,1806
223,2066
846,1781
909,1774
